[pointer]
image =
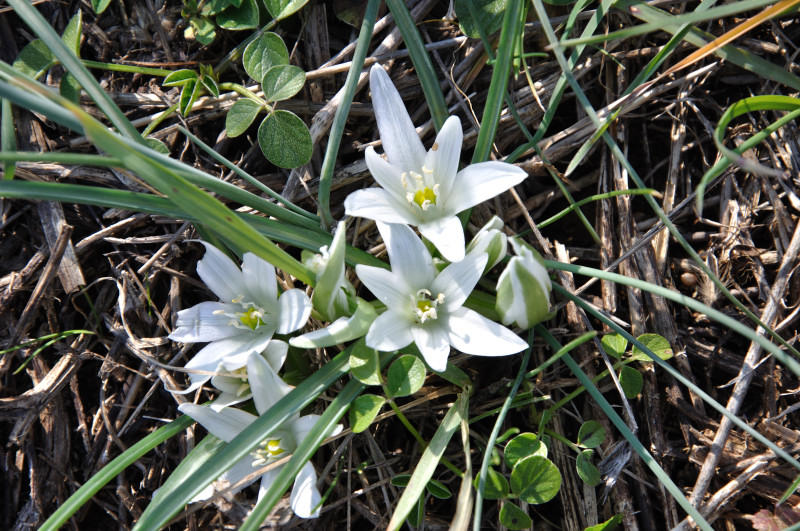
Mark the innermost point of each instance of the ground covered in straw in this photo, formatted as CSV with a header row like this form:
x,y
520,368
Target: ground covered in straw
x,y
123,275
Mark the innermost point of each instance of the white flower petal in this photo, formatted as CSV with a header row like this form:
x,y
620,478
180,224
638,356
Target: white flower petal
x,y
225,425
446,235
305,499
267,479
398,135
458,280
445,154
228,399
434,345
275,354
390,331
301,427
479,182
389,288
472,333
242,468
385,174
408,256
294,308
265,384
259,277
220,274
380,205
201,323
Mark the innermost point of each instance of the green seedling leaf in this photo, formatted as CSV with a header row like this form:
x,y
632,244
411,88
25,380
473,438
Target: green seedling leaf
x,y
213,7
210,85
586,470
283,8
405,376
189,94
416,516
438,490
156,144
608,525
496,485
35,59
401,480
242,17
615,345
631,381
179,78
72,33
658,344
100,5
364,364
514,518
591,434
240,116
70,88
363,411
489,11
281,82
285,140
202,30
535,480
522,446
264,53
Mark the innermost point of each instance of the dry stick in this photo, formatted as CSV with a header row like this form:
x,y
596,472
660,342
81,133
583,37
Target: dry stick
x,y
746,374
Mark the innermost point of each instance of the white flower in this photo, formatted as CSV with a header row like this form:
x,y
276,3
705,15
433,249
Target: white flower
x,y
267,389
490,240
234,383
243,322
333,293
419,188
426,307
523,289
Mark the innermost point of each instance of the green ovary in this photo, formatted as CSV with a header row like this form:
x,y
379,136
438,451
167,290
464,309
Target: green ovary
x,y
425,197
252,319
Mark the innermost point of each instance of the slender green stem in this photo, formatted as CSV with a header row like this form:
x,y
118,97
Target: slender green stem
x,y
160,118
133,69
596,197
337,128
244,91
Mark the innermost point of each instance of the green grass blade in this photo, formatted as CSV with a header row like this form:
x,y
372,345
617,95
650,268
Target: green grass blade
x,y
159,512
429,460
339,120
422,62
612,415
112,470
60,157
8,137
591,198
19,92
73,64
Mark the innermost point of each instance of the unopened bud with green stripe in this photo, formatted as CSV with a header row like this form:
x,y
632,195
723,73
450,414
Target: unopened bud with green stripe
x,y
490,240
523,289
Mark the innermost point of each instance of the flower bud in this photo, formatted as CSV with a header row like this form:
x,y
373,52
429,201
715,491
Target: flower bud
x,y
490,240
333,295
523,289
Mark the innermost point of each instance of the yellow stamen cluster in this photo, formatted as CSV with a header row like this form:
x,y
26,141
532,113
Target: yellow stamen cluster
x,y
425,307
420,192
267,453
251,317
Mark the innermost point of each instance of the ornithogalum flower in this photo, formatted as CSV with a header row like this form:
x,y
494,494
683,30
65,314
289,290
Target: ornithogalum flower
x,y
333,293
244,320
234,384
523,289
424,189
490,240
426,307
267,389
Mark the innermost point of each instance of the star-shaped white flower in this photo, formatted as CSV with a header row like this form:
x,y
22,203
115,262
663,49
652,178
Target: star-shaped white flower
x,y
244,320
424,189
426,307
267,389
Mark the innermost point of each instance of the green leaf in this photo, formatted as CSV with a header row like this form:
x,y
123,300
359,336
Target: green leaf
x,y
363,411
179,78
631,381
197,459
514,518
586,470
417,515
489,11
189,94
438,490
522,446
496,485
591,434
400,480
285,140
264,53
658,344
341,330
239,18
210,85
213,7
156,144
70,88
364,364
202,30
535,480
100,5
72,33
405,376
35,59
281,82
608,525
240,116
615,345
283,8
